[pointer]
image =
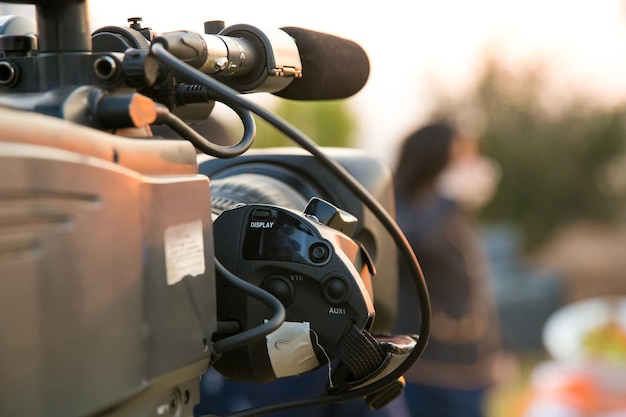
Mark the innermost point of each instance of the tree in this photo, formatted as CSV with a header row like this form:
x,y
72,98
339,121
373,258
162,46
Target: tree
x,y
327,123
560,156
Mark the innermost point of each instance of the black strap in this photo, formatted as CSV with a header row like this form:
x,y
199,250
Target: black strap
x,y
360,358
359,351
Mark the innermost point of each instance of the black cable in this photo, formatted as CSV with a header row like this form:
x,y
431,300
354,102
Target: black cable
x,y
247,336
199,142
221,90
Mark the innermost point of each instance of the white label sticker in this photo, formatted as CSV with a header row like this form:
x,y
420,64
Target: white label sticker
x,y
184,251
291,350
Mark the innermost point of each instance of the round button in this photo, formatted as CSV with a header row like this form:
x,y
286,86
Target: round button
x,y
280,288
319,252
336,290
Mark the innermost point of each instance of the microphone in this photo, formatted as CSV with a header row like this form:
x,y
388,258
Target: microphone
x,y
290,62
332,67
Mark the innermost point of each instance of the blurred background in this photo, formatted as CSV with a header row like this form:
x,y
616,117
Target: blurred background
x,y
543,85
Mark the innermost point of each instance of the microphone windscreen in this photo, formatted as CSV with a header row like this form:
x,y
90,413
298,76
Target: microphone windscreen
x,y
332,67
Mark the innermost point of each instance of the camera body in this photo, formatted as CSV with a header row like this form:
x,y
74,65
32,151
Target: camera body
x,y
112,297
107,246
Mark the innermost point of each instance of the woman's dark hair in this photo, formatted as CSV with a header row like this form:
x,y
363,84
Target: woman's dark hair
x,y
423,155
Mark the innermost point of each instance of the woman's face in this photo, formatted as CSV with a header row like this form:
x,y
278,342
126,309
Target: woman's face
x,y
470,178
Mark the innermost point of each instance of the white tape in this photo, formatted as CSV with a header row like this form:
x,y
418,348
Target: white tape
x,y
291,350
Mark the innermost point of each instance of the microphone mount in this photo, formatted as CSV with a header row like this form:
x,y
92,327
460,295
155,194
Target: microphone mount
x,y
241,56
60,71
70,64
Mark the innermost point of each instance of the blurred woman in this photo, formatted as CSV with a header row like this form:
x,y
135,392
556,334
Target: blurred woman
x,y
440,181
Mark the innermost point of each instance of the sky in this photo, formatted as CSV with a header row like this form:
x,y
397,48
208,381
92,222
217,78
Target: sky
x,y
413,46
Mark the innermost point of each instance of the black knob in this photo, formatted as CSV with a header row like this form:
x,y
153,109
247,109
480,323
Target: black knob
x,y
335,290
280,288
319,252
213,27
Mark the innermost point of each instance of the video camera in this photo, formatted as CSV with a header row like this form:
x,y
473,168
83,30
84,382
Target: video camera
x,y
130,264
